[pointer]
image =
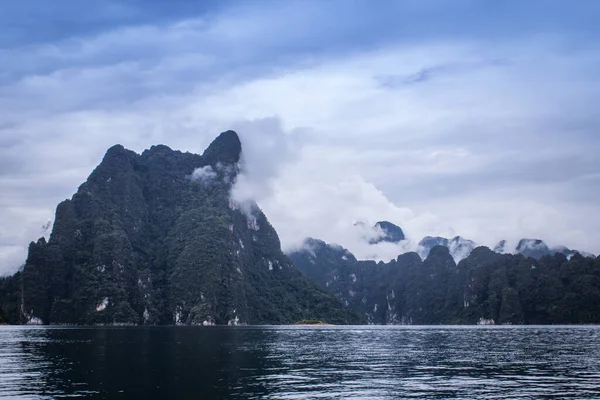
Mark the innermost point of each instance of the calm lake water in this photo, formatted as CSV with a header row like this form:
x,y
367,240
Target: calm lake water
x,y
301,362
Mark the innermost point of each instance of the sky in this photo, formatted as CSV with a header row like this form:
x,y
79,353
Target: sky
x,y
465,117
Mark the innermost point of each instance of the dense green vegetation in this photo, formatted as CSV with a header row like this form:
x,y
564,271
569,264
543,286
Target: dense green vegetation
x,y
485,287
10,299
155,239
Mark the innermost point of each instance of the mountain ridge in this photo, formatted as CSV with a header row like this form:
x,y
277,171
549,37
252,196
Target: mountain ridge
x,y
484,288
460,248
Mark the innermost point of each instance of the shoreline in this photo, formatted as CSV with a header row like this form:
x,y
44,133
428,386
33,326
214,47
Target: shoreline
x,y
449,326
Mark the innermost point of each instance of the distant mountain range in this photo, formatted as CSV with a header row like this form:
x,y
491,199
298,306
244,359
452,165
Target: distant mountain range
x,y
460,247
453,281
484,288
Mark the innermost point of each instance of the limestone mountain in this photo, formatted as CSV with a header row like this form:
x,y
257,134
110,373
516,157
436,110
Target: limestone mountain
x,y
389,233
154,238
537,248
458,247
485,287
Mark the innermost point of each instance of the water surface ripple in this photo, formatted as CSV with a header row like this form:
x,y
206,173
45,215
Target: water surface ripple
x,y
301,362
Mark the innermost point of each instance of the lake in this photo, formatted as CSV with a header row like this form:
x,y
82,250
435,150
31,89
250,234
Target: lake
x,y
300,362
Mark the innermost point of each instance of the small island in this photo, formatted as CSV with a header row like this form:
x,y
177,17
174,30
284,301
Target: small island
x,y
312,322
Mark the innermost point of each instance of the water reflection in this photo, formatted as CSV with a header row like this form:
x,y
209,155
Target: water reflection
x,y
293,362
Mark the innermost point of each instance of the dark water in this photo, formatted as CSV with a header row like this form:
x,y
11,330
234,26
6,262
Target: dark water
x,y
298,363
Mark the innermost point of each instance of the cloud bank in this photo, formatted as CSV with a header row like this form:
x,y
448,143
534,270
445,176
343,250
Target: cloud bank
x,y
468,124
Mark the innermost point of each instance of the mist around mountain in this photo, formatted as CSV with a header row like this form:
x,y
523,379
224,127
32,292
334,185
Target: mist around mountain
x,y
484,288
156,238
454,281
387,232
459,247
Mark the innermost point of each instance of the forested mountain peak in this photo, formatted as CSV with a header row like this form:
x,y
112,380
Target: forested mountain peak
x,y
226,148
391,233
157,239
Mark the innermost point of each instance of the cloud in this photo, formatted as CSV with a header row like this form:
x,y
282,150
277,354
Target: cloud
x,y
310,201
266,150
20,225
479,128
437,155
204,175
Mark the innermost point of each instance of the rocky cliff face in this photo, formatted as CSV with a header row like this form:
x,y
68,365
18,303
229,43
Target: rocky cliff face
x,y
155,239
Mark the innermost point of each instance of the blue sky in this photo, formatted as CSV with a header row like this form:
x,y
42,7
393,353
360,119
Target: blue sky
x,y
476,118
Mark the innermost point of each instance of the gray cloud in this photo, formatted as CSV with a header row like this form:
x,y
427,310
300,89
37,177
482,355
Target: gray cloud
x,y
266,150
204,175
426,74
495,141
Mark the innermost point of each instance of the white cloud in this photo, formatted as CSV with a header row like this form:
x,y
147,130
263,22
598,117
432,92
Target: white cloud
x,y
441,138
266,149
204,174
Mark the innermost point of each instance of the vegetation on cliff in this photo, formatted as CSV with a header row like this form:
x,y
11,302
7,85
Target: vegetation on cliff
x,y
155,239
486,287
